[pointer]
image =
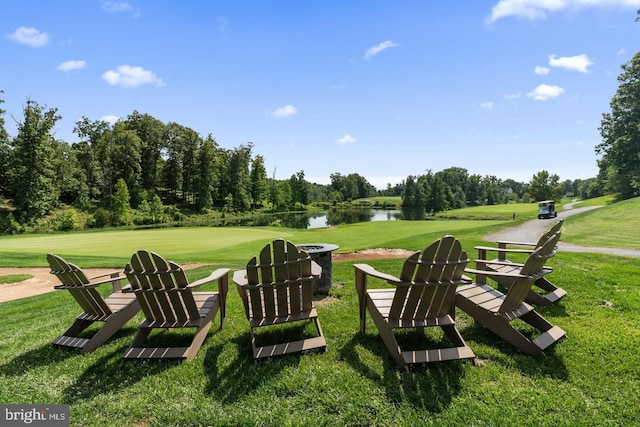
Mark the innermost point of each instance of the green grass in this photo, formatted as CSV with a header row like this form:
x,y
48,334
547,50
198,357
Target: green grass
x,y
613,226
596,201
14,278
221,245
589,378
522,211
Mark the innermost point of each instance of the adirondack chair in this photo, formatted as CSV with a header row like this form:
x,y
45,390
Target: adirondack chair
x,y
496,311
277,288
550,292
423,296
114,311
168,301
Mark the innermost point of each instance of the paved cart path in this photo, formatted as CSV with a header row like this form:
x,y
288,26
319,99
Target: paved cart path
x,y
531,231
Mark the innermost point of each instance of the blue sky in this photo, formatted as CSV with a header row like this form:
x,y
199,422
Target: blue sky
x,y
385,89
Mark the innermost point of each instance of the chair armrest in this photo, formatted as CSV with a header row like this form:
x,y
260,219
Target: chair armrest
x,y
367,269
316,269
486,273
114,279
216,275
497,262
509,242
485,249
114,274
240,277
501,251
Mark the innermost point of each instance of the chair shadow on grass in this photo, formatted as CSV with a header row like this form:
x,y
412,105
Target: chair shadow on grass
x,y
231,382
34,359
48,354
109,374
501,352
431,386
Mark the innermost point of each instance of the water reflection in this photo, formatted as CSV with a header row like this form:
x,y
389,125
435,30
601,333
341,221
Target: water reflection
x,y
347,216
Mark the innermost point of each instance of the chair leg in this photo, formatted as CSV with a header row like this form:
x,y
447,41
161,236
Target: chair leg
x,y
534,319
389,339
320,333
198,338
361,288
78,326
111,326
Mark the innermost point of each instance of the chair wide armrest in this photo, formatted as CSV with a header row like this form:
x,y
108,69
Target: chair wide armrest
x,y
502,250
216,275
240,277
509,242
488,273
367,269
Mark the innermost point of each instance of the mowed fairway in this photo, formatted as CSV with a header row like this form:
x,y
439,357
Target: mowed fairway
x,y
215,245
589,378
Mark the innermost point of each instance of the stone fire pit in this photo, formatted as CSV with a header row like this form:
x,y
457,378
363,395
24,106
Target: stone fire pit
x,y
321,253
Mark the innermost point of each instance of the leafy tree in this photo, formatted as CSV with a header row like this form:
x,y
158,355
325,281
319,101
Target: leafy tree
x,y
191,145
150,131
71,179
299,193
436,196
121,209
492,190
411,197
94,157
32,176
476,193
456,182
545,186
258,180
238,178
5,150
620,131
125,159
207,174
172,171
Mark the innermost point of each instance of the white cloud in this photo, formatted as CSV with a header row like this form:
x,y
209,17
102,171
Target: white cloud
x,y
286,111
576,63
538,9
487,105
71,65
30,36
621,52
110,118
128,76
543,71
373,51
513,95
116,6
346,139
544,92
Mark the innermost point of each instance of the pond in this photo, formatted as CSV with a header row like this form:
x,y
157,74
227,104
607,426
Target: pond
x,y
346,216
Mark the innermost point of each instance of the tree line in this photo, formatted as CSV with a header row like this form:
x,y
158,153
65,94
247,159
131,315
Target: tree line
x,y
161,171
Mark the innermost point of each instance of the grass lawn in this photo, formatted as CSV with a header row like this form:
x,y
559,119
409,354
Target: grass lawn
x,y
589,378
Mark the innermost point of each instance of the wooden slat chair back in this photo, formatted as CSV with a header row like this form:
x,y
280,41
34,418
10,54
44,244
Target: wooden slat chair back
x,y
280,282
502,244
496,310
115,310
428,281
168,301
423,296
277,287
532,268
543,291
161,287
